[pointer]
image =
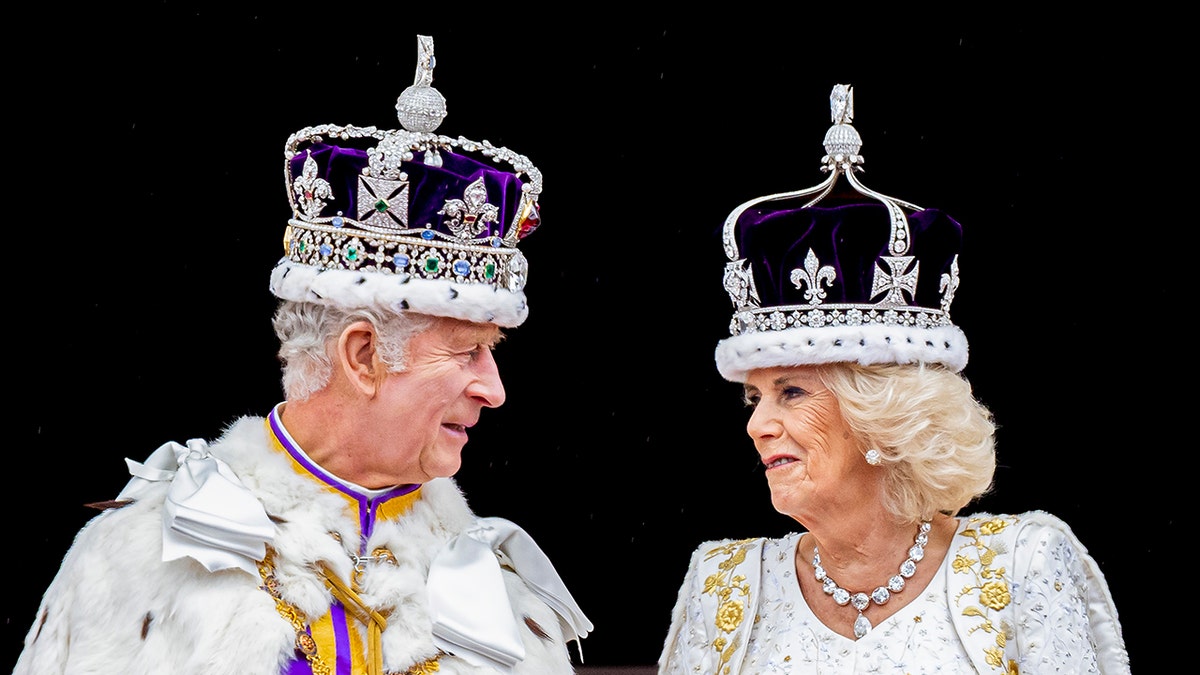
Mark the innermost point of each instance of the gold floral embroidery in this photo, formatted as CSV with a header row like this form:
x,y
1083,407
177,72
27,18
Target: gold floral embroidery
x,y
995,594
731,591
729,616
993,526
990,587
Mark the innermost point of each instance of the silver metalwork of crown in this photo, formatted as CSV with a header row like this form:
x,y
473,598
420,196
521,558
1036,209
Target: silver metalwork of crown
x,y
380,236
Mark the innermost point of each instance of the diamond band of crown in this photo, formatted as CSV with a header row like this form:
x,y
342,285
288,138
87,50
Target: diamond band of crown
x,y
335,247
765,319
408,217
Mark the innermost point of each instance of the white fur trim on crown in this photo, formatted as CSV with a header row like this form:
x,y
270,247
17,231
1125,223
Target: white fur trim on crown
x,y
737,356
481,303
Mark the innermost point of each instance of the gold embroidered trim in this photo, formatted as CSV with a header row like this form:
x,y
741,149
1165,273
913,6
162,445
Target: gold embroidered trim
x,y
304,642
991,587
426,667
730,590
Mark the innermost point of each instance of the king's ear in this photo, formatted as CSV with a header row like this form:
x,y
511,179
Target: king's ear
x,y
357,358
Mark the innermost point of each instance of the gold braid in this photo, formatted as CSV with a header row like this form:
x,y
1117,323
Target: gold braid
x,y
373,620
376,623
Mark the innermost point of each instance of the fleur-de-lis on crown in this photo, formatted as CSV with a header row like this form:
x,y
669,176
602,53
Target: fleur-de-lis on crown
x,y
811,276
469,214
311,190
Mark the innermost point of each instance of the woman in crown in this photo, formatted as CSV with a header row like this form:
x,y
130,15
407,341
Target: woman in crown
x,y
873,441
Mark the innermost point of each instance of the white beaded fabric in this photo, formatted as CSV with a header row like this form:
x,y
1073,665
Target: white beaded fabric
x,y
1051,626
920,638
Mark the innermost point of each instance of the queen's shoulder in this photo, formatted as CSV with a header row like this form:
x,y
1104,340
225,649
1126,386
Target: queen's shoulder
x,y
985,523
1032,516
735,546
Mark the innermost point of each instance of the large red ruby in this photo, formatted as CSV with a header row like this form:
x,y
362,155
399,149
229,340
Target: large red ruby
x,y
533,218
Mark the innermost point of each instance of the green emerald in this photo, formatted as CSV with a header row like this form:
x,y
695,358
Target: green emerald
x,y
431,264
381,205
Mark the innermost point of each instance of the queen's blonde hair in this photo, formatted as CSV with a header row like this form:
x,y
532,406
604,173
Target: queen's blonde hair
x,y
936,439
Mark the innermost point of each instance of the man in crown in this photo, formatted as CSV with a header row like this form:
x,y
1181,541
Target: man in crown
x,y
328,537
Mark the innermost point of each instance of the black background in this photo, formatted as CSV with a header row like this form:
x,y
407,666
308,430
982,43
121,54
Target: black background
x,y
147,206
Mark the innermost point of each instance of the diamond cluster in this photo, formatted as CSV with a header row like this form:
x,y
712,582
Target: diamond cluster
x,y
881,594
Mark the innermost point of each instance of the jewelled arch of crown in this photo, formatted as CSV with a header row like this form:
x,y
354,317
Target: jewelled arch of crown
x,y
895,274
380,237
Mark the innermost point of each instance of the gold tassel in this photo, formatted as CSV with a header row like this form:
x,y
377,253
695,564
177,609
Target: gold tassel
x,y
373,620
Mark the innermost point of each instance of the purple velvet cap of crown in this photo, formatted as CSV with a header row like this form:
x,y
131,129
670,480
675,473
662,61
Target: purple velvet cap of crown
x,y
848,238
814,270
430,187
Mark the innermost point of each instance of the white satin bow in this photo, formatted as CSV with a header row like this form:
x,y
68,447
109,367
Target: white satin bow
x,y
472,617
208,515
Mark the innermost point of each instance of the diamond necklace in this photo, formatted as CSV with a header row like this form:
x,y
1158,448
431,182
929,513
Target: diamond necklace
x,y
880,595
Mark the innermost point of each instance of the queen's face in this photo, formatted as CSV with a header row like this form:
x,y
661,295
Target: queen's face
x,y
814,465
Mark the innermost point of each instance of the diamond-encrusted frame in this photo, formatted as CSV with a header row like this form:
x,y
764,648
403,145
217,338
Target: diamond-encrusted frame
x,y
333,248
764,319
